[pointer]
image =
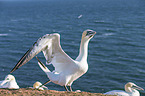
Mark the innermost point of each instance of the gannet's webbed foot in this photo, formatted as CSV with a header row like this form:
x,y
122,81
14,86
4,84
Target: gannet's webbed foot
x,y
67,88
70,88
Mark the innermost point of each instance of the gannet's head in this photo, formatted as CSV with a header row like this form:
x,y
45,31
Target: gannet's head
x,y
36,84
88,34
8,78
130,86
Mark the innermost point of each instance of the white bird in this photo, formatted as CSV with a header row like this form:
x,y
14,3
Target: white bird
x,y
80,16
9,82
37,85
66,70
130,90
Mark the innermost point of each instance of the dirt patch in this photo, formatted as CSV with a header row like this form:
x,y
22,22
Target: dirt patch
x,y
35,92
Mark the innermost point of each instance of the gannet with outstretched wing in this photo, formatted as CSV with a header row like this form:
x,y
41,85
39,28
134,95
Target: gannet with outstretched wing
x,y
9,82
130,90
66,70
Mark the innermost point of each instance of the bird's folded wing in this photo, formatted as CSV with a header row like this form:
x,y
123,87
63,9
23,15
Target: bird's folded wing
x,y
117,92
0,82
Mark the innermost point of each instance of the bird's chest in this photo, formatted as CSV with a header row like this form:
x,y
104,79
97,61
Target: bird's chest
x,y
136,93
83,68
79,67
79,70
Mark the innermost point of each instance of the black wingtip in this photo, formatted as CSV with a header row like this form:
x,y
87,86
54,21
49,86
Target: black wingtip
x,y
20,62
13,69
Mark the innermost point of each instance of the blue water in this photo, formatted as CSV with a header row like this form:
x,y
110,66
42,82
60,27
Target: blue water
x,y
116,53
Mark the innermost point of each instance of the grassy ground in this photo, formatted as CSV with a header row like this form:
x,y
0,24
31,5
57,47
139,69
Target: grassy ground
x,y
35,92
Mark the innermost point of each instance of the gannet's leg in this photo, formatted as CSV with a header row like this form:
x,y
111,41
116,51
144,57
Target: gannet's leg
x,y
66,88
70,88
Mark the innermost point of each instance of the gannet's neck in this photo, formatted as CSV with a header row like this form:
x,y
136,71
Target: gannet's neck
x,y
127,89
83,53
132,92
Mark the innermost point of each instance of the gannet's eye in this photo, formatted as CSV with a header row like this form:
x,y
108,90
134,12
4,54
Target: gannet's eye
x,y
89,32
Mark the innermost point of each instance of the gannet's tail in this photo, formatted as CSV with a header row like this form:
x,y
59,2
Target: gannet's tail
x,y
42,66
54,77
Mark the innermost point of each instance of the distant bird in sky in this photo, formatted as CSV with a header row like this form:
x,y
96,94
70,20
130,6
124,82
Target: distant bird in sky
x,y
66,70
80,16
130,90
9,82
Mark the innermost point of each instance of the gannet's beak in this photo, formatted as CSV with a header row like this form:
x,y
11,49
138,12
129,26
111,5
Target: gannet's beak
x,y
137,87
93,33
45,87
3,82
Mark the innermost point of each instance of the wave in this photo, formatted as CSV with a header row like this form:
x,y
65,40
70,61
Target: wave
x,y
108,34
17,20
99,21
3,34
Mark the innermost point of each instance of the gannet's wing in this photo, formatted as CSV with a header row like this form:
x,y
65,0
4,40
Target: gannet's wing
x,y
50,45
58,58
0,84
55,55
37,47
117,92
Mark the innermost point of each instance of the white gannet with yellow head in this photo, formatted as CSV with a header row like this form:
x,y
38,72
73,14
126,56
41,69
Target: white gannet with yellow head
x,y
66,70
37,85
130,90
9,82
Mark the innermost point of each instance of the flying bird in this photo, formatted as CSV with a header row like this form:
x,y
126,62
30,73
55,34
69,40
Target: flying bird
x,y
9,82
66,70
130,90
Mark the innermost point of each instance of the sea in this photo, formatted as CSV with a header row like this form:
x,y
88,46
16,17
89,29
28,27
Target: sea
x,y
116,54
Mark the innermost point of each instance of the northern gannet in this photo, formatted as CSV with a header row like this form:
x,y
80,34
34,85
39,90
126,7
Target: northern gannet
x,y
66,70
37,85
9,82
130,90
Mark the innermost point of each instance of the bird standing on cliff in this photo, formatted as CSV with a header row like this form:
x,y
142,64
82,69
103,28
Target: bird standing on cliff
x,y
66,70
